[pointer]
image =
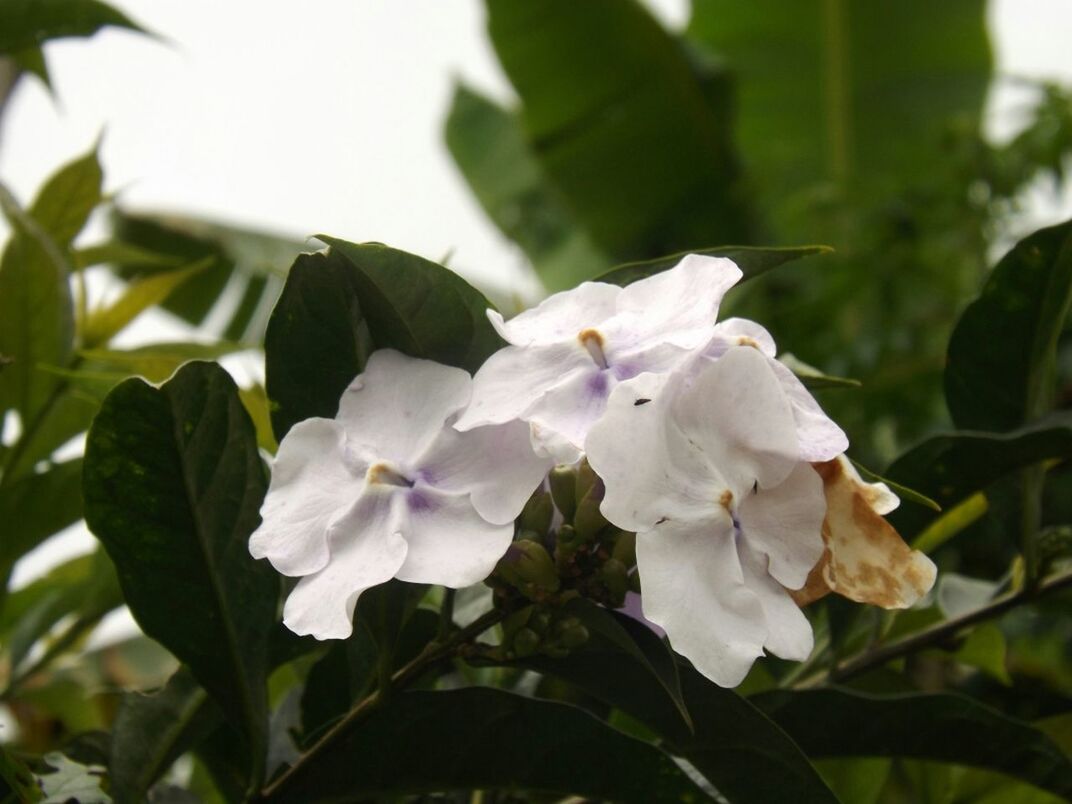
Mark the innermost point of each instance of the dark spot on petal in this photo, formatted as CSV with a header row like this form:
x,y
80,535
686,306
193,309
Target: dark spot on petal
x,y
640,402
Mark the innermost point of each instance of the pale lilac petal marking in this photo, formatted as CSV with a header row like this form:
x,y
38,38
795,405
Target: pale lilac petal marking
x,y
740,332
789,633
312,485
694,588
820,438
651,472
737,414
449,542
559,317
679,306
785,524
571,407
398,404
366,550
513,379
494,465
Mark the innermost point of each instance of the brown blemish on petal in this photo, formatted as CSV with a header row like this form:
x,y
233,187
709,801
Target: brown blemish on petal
x,y
726,501
744,340
865,558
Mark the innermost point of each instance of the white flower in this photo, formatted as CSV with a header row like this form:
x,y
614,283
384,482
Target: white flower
x,y
389,489
820,437
704,464
567,354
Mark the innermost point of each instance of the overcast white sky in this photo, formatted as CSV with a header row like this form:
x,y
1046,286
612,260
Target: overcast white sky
x,y
326,116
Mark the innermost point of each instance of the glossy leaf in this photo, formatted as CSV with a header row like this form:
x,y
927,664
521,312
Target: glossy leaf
x,y
16,781
740,751
949,468
752,260
999,369
479,738
151,731
36,506
939,727
489,147
173,484
337,307
28,23
621,121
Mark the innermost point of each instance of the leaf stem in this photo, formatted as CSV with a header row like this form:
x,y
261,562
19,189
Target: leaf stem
x,y
433,653
446,614
939,633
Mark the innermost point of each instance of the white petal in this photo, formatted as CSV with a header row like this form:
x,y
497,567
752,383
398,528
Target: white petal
x,y
572,406
789,633
449,542
740,332
651,472
785,524
559,317
693,587
820,438
311,486
399,404
738,415
515,377
679,306
366,550
495,465
552,445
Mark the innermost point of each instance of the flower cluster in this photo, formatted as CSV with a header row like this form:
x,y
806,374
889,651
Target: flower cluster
x,y
707,447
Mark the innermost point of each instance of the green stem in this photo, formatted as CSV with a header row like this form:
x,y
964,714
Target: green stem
x,y
446,614
1032,480
937,634
433,653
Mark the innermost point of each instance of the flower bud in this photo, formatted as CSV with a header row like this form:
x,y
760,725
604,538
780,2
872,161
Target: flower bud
x,y
625,548
588,521
615,578
586,479
563,482
537,513
526,642
574,636
529,569
566,545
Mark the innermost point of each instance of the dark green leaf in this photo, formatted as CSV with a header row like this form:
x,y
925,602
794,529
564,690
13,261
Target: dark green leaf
x,y
486,739
317,341
740,751
949,468
36,317
173,484
337,307
752,260
622,123
29,23
151,731
999,369
615,631
489,147
941,727
36,506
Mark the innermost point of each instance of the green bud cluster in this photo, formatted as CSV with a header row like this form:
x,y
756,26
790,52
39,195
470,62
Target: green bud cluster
x,y
541,630
563,548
